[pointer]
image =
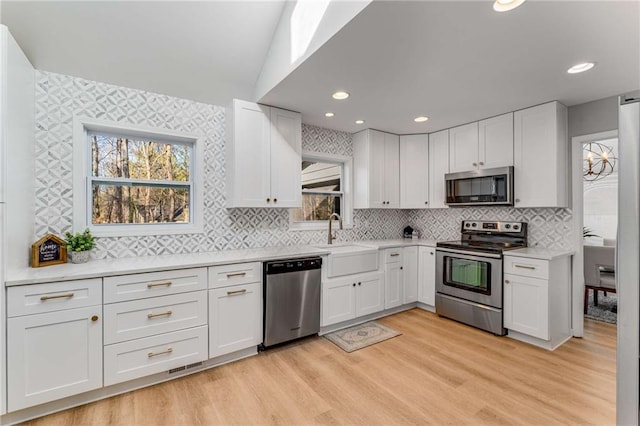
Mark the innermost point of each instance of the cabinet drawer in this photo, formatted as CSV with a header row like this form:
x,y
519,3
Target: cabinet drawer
x,y
534,268
147,317
139,286
142,357
56,296
393,255
240,273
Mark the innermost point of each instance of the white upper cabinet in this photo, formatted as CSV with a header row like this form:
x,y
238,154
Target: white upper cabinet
x,y
463,148
263,156
286,160
438,167
540,156
414,171
376,160
482,145
495,142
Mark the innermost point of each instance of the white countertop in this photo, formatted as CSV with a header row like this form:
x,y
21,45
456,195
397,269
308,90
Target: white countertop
x,y
134,265
539,253
400,242
131,265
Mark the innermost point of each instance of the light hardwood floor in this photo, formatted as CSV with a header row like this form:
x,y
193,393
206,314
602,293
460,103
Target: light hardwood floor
x,y
437,372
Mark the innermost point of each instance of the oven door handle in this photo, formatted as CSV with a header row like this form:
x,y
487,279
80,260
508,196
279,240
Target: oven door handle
x,y
470,253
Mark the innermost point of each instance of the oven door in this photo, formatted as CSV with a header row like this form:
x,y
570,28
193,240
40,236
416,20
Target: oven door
x,y
476,277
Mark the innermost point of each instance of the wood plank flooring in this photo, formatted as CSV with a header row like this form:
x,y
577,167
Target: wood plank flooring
x,y
437,372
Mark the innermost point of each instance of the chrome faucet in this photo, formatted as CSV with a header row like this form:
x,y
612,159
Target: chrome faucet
x,y
331,236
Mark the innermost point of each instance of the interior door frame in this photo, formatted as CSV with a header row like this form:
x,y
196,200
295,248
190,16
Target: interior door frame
x,y
577,189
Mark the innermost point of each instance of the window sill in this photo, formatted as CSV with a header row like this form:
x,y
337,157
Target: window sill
x,y
142,230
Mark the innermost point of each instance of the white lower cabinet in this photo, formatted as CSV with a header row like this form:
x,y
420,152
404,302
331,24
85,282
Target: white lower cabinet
x,y
146,317
537,300
393,285
393,277
369,295
154,325
347,298
142,357
235,318
427,275
526,303
53,355
411,273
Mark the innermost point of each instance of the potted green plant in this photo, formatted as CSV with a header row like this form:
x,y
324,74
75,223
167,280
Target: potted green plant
x,y
79,245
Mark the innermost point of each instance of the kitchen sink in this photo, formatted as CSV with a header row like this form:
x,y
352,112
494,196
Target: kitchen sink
x,y
345,248
349,258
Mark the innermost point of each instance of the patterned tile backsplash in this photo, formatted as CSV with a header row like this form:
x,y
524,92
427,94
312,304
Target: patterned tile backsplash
x,y
59,98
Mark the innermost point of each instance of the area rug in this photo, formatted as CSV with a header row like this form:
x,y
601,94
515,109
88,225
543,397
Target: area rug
x,y
603,312
360,336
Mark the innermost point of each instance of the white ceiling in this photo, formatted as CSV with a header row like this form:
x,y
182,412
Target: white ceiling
x,y
210,51
453,61
458,62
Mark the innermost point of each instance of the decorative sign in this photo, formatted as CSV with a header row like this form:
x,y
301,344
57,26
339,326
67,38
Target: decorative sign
x,y
48,250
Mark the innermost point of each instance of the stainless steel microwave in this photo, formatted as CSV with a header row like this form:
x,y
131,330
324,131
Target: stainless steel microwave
x,y
480,187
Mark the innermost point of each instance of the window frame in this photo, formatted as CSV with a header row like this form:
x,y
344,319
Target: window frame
x,y
82,178
347,192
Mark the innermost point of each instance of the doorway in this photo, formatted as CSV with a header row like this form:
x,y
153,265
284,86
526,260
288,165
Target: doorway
x,y
594,201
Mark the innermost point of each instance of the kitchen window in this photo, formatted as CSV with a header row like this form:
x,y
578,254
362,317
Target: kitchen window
x,y
326,189
136,181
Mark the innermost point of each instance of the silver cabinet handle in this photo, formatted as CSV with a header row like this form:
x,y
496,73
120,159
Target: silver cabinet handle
x,y
237,274
236,292
524,266
482,163
168,351
507,282
475,164
159,284
394,254
56,296
161,314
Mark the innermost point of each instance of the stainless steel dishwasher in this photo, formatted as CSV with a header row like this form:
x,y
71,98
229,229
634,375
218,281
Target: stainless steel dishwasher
x,y
291,299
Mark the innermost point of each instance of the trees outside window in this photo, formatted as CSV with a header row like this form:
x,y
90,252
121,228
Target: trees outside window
x,y
135,180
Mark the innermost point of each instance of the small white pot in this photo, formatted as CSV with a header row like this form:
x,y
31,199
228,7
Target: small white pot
x,y
80,256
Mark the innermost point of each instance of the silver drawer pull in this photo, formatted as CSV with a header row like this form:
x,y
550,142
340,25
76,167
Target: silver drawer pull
x,y
524,266
168,351
237,274
57,296
507,282
394,254
233,293
161,314
160,284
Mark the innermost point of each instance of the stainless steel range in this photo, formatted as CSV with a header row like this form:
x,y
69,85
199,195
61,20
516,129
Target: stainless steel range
x,y
469,273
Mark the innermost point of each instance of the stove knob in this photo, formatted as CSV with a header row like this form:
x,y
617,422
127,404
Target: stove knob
x,y
516,227
466,225
474,224
507,226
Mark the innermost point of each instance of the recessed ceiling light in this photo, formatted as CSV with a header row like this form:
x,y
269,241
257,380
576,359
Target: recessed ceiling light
x,y
340,95
420,119
359,121
329,114
585,66
506,5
